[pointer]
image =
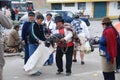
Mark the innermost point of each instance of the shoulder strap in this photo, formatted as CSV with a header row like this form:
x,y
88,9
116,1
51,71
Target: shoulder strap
x,y
48,25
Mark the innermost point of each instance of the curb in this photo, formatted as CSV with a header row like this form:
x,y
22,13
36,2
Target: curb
x,y
11,54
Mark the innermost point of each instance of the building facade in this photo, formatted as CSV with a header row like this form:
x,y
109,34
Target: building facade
x,y
41,5
93,8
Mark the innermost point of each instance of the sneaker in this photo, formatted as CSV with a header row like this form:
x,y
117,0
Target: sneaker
x,y
38,73
82,62
68,74
74,60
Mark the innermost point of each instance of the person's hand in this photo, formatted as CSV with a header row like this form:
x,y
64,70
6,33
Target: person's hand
x,y
39,42
47,35
23,42
62,40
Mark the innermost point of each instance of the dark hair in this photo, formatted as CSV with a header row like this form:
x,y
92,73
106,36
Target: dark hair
x,y
40,16
5,5
31,13
76,16
59,19
49,14
16,26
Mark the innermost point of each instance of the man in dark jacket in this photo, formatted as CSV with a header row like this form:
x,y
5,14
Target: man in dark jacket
x,y
37,35
25,34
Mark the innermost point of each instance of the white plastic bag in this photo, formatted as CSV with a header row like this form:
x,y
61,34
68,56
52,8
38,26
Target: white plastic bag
x,y
87,47
37,59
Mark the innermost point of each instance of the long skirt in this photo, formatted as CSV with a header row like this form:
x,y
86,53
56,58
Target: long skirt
x,y
107,66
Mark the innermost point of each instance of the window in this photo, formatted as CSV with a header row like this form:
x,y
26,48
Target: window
x,y
118,4
81,6
56,6
69,4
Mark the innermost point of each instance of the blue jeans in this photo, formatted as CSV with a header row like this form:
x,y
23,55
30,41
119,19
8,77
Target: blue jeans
x,y
50,60
32,48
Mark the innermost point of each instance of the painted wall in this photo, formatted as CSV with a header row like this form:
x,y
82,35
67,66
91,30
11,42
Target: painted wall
x,y
88,10
41,5
113,10
73,9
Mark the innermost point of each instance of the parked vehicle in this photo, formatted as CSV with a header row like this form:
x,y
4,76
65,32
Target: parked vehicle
x,y
25,16
5,2
68,16
23,7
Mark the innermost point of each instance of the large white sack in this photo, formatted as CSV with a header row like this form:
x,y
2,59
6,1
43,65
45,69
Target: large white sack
x,y
38,58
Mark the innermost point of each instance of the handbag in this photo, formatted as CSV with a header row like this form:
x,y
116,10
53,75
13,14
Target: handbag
x,y
102,53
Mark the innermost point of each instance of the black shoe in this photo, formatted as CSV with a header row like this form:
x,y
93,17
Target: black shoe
x,y
59,72
38,73
74,60
82,62
68,74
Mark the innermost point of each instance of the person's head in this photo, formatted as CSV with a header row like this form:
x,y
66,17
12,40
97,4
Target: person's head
x,y
5,6
59,21
76,16
31,16
16,7
49,16
16,27
39,19
106,22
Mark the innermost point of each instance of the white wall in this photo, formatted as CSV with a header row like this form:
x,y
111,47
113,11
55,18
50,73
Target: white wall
x,y
88,10
113,10
73,9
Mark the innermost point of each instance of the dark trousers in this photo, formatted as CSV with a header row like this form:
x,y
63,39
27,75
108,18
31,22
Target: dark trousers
x,y
109,75
26,48
118,57
59,61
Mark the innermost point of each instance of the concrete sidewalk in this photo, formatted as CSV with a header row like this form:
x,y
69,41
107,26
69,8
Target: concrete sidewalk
x,y
13,69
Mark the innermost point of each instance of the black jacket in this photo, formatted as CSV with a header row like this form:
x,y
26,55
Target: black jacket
x,y
37,32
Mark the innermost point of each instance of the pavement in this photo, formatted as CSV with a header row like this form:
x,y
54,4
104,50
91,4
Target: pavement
x,y
13,69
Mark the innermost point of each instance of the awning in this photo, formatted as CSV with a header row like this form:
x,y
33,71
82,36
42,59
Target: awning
x,y
72,1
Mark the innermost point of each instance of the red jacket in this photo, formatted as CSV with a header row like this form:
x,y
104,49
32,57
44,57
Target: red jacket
x,y
111,41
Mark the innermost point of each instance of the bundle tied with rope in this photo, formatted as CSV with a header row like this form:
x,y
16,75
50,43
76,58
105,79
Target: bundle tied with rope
x,y
56,38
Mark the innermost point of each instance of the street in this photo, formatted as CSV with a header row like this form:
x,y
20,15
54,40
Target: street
x,y
13,69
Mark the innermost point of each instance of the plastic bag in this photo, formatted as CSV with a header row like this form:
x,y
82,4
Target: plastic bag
x,y
37,59
87,47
